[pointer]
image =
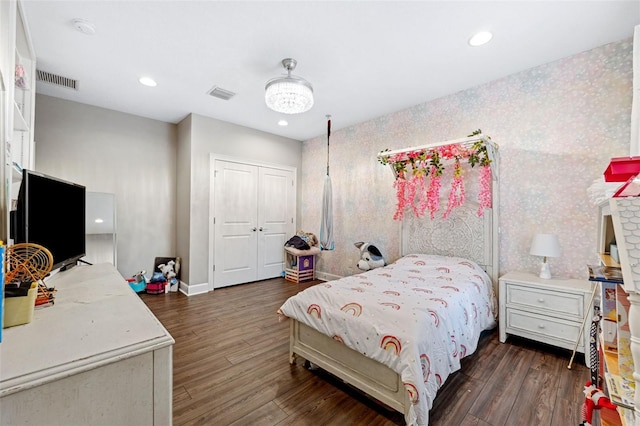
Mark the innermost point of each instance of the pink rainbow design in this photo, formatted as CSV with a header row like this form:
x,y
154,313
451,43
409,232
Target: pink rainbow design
x,y
450,287
315,311
391,305
470,265
426,367
477,287
414,271
418,278
466,316
385,275
358,289
436,318
437,299
338,338
443,269
327,285
366,283
444,278
412,255
391,293
419,262
463,351
422,290
438,379
352,308
412,391
391,343
475,310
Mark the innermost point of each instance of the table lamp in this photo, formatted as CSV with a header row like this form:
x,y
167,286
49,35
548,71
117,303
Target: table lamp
x,y
545,245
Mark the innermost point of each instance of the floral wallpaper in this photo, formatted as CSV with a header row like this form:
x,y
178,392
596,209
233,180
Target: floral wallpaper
x,y
557,126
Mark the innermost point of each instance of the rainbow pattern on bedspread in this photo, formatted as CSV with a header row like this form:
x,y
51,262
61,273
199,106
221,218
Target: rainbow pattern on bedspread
x,y
419,316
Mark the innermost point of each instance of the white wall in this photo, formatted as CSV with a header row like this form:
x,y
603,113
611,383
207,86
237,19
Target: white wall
x,y
109,151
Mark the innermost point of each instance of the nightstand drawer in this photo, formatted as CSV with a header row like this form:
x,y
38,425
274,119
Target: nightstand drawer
x,y
567,305
549,330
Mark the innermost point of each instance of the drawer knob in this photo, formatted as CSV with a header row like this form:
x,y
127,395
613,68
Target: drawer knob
x,y
541,300
540,326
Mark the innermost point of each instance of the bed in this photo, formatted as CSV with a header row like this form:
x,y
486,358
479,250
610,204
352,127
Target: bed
x,y
397,332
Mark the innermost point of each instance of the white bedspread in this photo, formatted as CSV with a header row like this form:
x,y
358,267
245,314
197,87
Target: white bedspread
x,y
419,316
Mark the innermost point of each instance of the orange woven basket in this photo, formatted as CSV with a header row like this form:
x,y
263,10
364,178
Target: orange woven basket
x,y
27,262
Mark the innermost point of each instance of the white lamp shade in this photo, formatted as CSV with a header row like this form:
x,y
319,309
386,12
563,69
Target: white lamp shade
x,y
546,245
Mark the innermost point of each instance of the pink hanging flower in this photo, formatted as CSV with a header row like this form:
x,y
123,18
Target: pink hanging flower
x,y
420,194
433,193
456,195
484,196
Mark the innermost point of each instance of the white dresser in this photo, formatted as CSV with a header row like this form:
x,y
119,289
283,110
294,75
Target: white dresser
x,y
98,356
549,311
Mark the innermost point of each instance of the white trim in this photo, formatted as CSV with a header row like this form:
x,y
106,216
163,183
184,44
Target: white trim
x,y
325,276
193,289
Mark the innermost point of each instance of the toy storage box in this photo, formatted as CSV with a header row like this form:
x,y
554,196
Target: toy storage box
x,y
300,264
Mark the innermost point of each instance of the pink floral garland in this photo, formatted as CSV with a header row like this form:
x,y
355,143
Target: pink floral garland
x,y
484,197
456,195
426,164
433,193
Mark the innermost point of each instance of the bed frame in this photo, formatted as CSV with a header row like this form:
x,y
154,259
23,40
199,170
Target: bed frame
x,y
463,234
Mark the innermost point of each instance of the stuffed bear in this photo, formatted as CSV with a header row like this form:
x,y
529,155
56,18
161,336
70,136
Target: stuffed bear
x,y
370,256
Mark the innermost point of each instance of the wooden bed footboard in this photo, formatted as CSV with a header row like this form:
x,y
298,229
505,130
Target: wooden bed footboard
x,y
373,378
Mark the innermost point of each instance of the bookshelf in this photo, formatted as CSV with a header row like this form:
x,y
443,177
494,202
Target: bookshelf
x,y
620,325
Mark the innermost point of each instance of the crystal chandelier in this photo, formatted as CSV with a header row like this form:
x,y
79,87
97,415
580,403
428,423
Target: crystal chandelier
x,y
290,94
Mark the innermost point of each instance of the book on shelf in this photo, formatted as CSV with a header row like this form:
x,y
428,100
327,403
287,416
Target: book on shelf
x,y
607,274
621,391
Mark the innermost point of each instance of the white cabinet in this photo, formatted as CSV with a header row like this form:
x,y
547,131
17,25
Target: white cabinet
x,y
98,356
17,105
550,311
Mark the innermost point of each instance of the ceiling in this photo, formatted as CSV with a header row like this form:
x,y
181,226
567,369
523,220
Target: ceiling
x,y
365,59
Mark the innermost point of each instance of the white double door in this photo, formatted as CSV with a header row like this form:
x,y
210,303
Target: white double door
x,y
254,211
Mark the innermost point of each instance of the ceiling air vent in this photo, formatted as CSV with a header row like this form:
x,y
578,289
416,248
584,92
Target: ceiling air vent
x,y
58,80
217,92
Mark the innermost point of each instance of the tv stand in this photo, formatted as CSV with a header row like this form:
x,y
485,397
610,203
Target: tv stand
x,y
96,357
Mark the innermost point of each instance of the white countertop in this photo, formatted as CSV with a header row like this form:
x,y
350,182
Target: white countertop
x,y
96,319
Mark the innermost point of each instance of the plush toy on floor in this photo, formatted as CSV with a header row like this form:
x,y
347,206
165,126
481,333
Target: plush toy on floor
x,y
370,256
594,399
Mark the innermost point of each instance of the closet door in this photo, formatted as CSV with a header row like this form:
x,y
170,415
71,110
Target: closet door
x,y
276,208
253,217
236,210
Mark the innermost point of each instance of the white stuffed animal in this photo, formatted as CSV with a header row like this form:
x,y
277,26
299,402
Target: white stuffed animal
x,y
370,256
168,270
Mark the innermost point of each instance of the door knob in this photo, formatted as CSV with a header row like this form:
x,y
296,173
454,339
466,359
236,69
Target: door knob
x,y
253,229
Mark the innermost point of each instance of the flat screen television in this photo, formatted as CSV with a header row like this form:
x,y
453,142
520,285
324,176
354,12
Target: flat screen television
x,y
51,212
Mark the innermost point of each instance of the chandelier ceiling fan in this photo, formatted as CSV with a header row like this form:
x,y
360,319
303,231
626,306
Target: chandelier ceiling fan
x,y
290,94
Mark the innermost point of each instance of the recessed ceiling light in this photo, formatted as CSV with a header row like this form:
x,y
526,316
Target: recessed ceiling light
x,y
148,81
480,38
283,123
98,220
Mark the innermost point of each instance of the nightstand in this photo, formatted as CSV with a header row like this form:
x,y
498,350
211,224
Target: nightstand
x,y
549,311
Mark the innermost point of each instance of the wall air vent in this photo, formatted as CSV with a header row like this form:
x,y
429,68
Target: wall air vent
x,y
58,80
218,92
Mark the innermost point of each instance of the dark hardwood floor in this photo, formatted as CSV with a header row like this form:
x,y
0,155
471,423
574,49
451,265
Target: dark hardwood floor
x,y
231,367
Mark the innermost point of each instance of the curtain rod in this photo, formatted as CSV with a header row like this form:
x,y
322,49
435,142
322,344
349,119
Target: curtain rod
x,y
467,140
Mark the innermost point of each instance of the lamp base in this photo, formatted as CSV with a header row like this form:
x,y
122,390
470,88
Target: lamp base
x,y
545,272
